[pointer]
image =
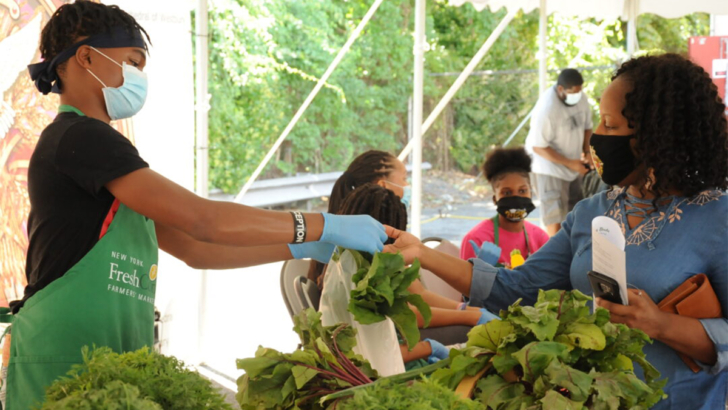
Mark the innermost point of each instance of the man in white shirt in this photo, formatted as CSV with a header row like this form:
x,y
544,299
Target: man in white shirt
x,y
561,126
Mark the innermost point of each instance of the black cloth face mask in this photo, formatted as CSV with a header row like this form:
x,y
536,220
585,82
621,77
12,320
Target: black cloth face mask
x,y
613,157
515,208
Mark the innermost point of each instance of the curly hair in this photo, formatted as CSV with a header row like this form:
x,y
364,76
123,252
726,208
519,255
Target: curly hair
x,y
680,123
503,161
82,19
368,167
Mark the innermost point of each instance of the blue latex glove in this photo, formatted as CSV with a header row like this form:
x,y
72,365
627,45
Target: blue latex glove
x,y
320,251
439,351
486,316
487,252
359,232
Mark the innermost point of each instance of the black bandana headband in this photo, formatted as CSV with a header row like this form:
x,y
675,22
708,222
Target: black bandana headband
x,y
44,73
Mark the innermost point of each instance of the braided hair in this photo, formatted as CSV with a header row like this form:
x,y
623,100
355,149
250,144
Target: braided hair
x,y
83,18
378,202
680,123
368,167
503,161
373,200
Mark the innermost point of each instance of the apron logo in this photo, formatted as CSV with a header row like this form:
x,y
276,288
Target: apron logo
x,y
138,281
124,277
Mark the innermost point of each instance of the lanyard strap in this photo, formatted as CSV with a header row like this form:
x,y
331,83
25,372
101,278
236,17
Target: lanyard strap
x,y
70,108
496,228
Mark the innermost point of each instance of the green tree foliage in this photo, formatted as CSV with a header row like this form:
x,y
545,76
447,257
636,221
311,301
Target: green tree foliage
x,y
267,55
265,59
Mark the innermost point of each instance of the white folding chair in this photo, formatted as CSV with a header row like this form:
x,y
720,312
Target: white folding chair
x,y
290,271
307,292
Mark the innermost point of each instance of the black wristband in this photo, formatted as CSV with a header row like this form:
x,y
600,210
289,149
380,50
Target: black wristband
x,y
299,227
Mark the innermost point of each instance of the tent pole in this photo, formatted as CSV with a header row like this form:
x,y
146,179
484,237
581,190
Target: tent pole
x,y
542,25
458,83
354,35
632,11
201,115
518,128
417,103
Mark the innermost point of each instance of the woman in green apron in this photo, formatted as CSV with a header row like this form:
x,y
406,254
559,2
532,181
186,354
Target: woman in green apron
x,y
99,214
493,240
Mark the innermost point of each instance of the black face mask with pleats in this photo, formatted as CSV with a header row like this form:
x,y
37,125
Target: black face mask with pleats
x,y
613,157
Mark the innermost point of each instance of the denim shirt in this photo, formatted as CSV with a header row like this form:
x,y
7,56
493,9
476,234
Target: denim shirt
x,y
686,237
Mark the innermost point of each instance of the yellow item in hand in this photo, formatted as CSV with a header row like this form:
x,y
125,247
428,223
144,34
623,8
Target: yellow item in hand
x,y
516,259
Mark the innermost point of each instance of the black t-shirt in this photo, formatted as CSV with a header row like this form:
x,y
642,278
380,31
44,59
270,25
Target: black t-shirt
x,y
75,158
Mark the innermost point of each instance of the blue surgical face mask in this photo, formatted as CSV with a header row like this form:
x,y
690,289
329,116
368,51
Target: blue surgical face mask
x,y
407,196
128,99
406,193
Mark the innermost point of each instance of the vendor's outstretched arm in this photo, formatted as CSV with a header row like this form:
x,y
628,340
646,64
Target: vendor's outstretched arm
x,y
227,223
203,255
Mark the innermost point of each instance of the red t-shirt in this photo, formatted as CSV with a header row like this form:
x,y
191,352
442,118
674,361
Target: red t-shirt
x,y
483,232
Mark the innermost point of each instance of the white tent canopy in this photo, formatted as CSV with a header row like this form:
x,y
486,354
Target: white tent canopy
x,y
606,9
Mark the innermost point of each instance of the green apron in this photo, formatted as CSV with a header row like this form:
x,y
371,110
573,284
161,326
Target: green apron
x,y
496,225
106,299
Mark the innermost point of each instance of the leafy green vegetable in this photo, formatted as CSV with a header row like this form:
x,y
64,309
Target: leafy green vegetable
x,y
556,355
324,363
585,336
495,391
394,379
491,336
381,292
140,380
555,401
535,357
465,362
117,395
420,395
576,382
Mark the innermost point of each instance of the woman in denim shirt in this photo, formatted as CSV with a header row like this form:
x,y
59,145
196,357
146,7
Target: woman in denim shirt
x,y
663,141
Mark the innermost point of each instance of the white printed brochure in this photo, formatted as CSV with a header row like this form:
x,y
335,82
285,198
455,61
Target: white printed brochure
x,y
608,256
